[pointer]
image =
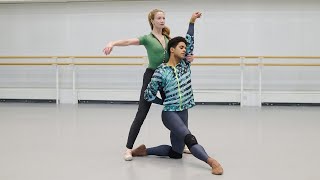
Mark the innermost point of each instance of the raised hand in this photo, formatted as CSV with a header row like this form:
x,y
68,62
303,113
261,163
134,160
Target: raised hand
x,y
195,16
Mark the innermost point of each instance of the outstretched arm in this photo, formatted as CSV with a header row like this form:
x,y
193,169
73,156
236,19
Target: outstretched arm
x,y
107,50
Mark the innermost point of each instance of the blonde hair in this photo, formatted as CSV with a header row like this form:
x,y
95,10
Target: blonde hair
x,y
165,30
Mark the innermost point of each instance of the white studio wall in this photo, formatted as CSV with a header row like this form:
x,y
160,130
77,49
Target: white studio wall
x,y
229,28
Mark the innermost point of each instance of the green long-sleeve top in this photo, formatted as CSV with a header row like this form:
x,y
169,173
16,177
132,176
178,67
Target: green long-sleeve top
x,y
157,54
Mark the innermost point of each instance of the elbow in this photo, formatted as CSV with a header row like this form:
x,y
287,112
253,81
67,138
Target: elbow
x,y
145,97
127,43
148,98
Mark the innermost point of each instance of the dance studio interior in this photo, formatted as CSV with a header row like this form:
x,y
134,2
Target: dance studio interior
x,y
70,95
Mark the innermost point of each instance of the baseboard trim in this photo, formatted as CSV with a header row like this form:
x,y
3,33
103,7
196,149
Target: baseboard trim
x,y
289,104
27,101
136,102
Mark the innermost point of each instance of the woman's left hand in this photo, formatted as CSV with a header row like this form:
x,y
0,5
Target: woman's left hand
x,y
190,58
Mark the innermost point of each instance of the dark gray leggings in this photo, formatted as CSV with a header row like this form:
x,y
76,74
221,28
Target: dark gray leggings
x,y
177,123
143,109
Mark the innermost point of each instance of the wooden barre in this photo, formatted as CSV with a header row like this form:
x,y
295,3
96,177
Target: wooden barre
x,y
142,57
257,57
88,64
72,57
253,64
140,64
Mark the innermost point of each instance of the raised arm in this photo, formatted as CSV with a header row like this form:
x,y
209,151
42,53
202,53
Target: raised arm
x,y
190,36
190,39
107,50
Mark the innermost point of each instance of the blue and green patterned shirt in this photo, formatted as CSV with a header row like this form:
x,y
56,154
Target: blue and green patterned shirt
x,y
175,82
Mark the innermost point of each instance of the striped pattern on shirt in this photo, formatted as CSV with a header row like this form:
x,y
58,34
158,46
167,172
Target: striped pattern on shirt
x,y
176,84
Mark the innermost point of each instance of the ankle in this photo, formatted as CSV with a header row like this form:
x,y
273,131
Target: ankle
x,y
210,161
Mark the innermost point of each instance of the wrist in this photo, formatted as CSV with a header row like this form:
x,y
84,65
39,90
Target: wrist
x,y
110,44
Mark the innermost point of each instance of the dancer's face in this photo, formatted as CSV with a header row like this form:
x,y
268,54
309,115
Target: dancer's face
x,y
180,50
159,20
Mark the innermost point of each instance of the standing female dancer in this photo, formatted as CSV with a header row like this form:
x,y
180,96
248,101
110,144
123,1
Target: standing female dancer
x,y
155,44
174,78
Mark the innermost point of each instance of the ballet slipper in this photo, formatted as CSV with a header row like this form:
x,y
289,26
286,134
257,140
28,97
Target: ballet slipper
x,y
140,151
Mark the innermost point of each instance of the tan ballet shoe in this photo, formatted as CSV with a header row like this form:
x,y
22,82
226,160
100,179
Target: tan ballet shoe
x,y
216,167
